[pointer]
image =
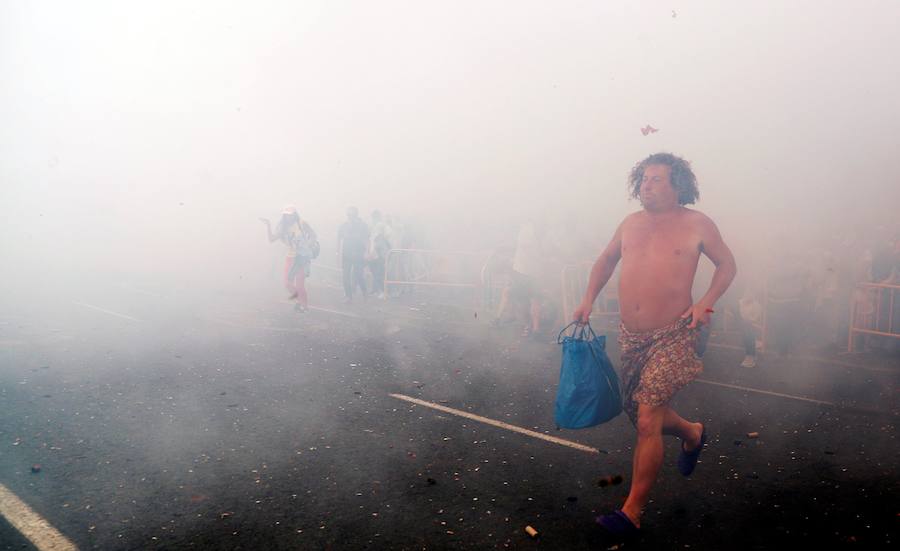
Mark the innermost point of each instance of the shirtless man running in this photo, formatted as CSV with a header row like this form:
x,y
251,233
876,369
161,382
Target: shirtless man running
x,y
660,247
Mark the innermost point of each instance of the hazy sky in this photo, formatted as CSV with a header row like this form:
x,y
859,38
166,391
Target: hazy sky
x,y
143,127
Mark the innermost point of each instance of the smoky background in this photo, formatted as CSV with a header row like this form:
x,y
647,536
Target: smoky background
x,y
148,138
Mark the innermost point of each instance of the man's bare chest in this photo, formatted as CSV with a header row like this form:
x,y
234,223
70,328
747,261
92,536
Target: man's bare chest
x,y
661,244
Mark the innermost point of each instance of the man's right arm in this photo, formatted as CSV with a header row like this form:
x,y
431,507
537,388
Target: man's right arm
x,y
602,270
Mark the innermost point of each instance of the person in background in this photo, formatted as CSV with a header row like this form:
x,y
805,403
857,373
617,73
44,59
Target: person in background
x,y
379,245
524,278
353,238
749,314
786,292
824,288
301,243
500,269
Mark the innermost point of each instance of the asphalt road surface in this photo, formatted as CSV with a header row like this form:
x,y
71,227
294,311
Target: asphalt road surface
x,y
160,420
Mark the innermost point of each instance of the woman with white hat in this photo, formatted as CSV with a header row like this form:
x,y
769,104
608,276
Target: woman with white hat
x,y
302,248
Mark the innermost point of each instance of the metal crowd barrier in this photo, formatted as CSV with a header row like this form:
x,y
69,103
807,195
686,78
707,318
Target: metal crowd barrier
x,y
410,268
729,323
867,312
574,280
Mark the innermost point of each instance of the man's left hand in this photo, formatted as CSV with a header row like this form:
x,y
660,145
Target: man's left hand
x,y
699,314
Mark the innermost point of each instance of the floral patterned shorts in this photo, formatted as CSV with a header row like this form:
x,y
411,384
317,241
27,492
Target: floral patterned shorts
x,y
656,364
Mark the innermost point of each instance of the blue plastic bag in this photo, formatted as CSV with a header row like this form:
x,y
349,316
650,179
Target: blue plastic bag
x,y
588,392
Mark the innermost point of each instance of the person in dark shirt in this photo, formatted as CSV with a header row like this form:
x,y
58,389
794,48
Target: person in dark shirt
x,y
353,239
787,288
379,245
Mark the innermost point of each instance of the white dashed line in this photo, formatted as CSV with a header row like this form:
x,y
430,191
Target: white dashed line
x,y
32,525
846,365
768,392
338,312
814,359
500,424
105,311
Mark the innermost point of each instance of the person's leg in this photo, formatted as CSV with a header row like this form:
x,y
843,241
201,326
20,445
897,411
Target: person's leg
x,y
300,286
347,276
377,268
749,337
355,274
648,457
359,274
288,276
675,425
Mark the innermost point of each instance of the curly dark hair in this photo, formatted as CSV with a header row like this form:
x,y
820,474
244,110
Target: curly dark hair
x,y
683,179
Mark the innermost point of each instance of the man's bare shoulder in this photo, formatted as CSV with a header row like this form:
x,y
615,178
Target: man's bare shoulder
x,y
634,217
697,217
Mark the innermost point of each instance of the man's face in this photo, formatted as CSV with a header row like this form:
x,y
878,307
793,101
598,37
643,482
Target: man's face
x,y
657,192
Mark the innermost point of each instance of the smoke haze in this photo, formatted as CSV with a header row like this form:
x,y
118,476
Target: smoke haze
x,y
150,137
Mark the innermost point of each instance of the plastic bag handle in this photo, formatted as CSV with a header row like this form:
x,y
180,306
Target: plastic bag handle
x,y
580,336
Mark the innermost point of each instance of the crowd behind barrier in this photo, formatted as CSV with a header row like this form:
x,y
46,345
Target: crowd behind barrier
x,y
873,306
406,269
574,280
842,291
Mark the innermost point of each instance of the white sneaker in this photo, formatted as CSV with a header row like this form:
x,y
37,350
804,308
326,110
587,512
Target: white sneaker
x,y
749,361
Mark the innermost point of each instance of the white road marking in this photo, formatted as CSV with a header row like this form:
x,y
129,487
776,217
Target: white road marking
x,y
770,393
814,359
500,424
32,525
281,303
845,364
105,311
338,312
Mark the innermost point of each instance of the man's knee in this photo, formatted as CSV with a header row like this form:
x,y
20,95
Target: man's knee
x,y
650,420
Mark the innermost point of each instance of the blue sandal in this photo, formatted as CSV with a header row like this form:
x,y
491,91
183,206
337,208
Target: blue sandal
x,y
688,460
618,524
